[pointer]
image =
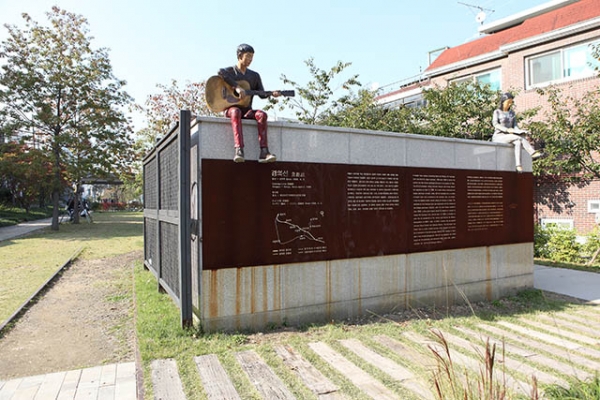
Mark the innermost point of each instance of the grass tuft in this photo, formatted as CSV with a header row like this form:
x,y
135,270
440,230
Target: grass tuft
x,y
453,383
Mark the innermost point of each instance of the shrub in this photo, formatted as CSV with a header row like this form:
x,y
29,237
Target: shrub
x,y
541,237
592,246
561,245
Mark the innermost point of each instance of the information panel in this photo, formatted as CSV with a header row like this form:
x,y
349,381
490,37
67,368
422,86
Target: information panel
x,y
262,214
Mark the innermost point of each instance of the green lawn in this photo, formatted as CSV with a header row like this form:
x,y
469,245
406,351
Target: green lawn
x,y
160,337
13,215
27,262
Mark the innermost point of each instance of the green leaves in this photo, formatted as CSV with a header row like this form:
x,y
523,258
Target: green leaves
x,y
312,102
460,110
162,109
53,83
569,131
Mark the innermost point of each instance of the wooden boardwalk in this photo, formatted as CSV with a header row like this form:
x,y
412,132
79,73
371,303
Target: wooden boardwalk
x,y
554,348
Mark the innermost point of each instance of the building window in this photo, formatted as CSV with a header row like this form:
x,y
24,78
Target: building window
x,y
414,101
556,223
594,206
561,65
493,78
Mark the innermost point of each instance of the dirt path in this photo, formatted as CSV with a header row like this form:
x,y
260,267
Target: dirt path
x,y
85,319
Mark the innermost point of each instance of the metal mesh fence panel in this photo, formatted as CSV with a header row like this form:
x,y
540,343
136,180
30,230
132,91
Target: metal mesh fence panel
x,y
150,185
167,216
169,255
169,177
150,243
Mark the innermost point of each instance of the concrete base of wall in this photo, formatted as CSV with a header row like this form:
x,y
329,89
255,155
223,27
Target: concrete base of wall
x,y
255,297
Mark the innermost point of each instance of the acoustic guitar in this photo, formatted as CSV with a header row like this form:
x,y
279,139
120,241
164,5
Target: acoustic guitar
x,y
219,95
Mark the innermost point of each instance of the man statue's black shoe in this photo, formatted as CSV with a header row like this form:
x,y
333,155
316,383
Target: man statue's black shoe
x,y
239,155
265,156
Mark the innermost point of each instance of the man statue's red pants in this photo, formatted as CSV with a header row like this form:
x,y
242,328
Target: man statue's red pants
x,y
235,114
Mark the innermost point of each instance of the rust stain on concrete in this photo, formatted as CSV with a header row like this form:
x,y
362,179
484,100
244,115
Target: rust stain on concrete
x,y
213,294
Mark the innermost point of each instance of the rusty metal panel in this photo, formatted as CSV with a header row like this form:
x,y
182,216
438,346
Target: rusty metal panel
x,y
262,214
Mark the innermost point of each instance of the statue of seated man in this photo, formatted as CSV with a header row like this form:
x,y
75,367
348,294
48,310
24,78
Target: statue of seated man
x,y
507,131
233,75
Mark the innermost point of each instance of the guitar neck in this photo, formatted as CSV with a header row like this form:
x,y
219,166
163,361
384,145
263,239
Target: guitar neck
x,y
265,93
261,93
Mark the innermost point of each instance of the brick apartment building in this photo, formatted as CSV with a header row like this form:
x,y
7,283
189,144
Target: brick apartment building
x,y
546,45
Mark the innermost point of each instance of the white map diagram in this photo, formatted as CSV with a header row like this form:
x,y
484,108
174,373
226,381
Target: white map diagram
x,y
288,231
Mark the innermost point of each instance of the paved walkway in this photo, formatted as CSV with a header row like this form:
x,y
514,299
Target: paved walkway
x,y
580,284
574,337
25,228
113,381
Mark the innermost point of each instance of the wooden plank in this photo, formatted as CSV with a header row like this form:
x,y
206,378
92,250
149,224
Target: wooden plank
x,y
529,355
50,388
165,380
557,329
499,342
590,311
393,369
311,376
580,319
551,339
412,356
365,382
548,348
509,364
68,388
539,335
586,328
467,362
266,382
215,380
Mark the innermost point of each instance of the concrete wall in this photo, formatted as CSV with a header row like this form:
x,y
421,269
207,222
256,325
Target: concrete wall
x,y
257,296
311,143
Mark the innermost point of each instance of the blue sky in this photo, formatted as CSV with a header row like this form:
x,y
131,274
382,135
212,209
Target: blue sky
x,y
152,42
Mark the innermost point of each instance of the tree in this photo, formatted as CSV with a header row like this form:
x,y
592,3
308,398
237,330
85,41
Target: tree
x,y
313,101
362,112
53,82
460,110
162,109
24,171
570,136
